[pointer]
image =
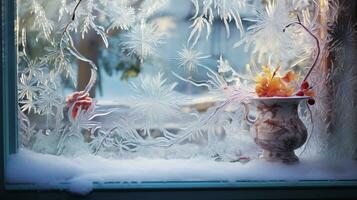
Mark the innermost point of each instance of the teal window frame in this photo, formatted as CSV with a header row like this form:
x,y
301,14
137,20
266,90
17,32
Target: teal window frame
x,y
127,190
8,98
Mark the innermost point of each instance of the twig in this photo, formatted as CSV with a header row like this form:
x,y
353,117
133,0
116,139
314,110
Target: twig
x,y
77,54
74,11
317,42
73,17
274,73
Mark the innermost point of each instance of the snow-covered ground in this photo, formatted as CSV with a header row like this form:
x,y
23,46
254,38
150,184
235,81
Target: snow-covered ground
x,y
29,167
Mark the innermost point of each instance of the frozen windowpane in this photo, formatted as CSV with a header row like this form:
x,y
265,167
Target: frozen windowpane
x,y
172,81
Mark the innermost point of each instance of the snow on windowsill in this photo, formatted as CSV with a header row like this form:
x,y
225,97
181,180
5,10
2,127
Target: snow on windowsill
x,y
30,167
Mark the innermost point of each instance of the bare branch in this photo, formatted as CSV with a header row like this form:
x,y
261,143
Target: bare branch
x,y
317,43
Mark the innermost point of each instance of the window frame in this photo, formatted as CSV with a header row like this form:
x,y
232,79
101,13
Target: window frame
x,y
179,190
8,85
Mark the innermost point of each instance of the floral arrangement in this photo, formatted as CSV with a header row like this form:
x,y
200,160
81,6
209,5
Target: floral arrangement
x,y
270,84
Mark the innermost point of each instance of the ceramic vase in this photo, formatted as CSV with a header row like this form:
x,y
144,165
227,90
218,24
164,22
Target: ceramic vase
x,y
277,128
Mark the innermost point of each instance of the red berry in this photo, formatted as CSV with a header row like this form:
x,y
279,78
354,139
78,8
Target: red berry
x,y
300,93
304,85
311,101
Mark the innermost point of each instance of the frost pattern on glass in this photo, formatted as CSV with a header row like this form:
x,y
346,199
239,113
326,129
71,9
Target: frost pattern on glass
x,y
142,40
205,12
160,121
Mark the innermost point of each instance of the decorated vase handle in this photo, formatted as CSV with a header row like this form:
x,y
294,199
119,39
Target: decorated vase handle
x,y
246,114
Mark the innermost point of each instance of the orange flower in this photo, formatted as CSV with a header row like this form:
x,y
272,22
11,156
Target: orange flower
x,y
289,76
269,84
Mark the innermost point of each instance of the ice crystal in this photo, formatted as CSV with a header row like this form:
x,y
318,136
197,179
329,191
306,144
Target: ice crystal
x,y
60,62
121,16
113,139
48,100
104,138
226,71
270,43
227,83
190,58
84,120
301,4
149,7
223,65
124,145
206,125
27,105
215,84
27,87
142,40
197,27
33,69
346,80
227,10
342,34
41,22
85,19
154,101
63,9
226,86
27,130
